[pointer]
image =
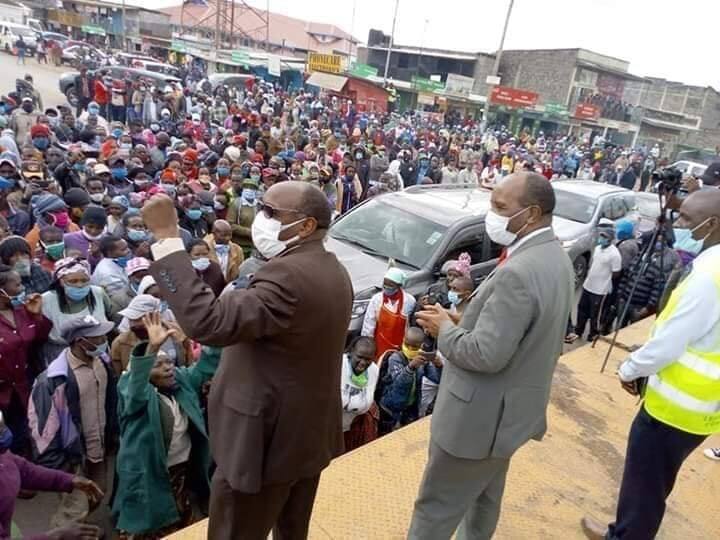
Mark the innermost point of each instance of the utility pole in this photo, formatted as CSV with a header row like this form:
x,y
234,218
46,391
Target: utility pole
x,y
390,45
498,56
218,29
267,26
124,25
352,30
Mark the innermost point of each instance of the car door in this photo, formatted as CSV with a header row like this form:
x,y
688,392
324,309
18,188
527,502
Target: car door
x,y
473,241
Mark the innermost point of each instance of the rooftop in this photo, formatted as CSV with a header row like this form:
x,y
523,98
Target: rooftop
x,y
283,30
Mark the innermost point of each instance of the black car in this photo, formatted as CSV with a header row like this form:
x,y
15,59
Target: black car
x,y
66,82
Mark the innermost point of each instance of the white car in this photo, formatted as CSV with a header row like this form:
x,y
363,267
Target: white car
x,y
690,168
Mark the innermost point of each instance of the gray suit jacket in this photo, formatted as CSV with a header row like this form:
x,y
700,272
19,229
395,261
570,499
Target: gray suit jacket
x,y
500,358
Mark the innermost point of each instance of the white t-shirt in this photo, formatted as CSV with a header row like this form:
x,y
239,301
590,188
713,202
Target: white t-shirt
x,y
604,263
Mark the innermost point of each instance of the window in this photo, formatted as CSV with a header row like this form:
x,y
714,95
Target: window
x,y
470,242
403,61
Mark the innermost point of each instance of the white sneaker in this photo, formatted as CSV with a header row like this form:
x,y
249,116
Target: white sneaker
x,y
712,453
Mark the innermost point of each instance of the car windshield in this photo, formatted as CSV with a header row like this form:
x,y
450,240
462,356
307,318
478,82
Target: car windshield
x,y
24,32
573,206
389,232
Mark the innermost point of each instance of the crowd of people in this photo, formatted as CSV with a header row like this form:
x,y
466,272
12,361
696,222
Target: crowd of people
x,y
98,381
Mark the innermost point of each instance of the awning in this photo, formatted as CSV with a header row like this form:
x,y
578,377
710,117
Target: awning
x,y
667,125
327,81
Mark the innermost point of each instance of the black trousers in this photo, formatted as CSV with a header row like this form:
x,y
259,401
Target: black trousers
x,y
588,309
654,456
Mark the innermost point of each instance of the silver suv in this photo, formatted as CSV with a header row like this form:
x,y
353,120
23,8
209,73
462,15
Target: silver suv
x,y
423,226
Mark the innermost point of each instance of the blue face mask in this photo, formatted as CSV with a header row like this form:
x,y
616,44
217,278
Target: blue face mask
x,y
97,350
117,133
119,173
223,171
170,189
6,183
79,166
603,242
2,109
684,241
136,235
122,261
17,300
222,249
248,194
201,264
41,143
76,293
93,111
454,298
194,213
163,306
390,291
6,439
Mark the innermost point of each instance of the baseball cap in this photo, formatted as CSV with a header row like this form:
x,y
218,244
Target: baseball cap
x,y
712,173
87,326
7,157
140,305
101,168
137,264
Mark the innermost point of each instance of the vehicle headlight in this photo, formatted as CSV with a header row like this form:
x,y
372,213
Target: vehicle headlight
x,y
568,243
359,308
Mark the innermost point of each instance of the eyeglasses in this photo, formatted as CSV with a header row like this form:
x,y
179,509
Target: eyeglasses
x,y
270,211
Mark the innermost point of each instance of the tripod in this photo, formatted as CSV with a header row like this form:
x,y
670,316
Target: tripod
x,y
643,262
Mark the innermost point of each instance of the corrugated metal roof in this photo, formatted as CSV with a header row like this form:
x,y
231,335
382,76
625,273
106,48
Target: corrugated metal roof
x,y
327,81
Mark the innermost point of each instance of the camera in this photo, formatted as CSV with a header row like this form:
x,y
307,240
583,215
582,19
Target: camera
x,y
668,179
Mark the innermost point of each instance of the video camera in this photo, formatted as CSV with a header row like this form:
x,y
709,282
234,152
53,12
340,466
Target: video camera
x,y
668,179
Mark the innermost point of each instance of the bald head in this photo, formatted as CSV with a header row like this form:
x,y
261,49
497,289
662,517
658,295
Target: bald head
x,y
700,212
305,199
222,232
221,225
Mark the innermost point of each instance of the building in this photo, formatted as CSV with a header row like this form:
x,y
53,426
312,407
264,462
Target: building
x,y
261,29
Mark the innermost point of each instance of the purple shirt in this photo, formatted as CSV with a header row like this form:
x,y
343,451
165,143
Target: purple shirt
x,y
77,240
18,473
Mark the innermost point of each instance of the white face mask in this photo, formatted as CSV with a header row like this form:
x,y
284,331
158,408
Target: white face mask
x,y
496,227
265,232
97,197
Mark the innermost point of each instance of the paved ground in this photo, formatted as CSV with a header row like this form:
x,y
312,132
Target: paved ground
x,y
45,77
575,470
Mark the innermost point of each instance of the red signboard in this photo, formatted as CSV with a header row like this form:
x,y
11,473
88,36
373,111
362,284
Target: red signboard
x,y
587,111
513,97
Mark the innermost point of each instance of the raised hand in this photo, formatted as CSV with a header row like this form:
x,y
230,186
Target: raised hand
x,y
160,217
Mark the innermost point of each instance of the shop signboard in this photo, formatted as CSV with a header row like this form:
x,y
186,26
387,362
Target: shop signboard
x,y
513,97
90,29
178,47
587,111
328,63
363,70
240,57
459,85
557,109
427,85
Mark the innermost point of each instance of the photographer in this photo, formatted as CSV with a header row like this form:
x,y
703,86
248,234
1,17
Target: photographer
x,y
679,368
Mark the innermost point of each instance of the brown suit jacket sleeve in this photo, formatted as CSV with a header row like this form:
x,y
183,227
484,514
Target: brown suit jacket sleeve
x,y
265,309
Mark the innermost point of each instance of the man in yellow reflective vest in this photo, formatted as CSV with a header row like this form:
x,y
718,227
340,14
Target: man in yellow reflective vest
x,y
681,361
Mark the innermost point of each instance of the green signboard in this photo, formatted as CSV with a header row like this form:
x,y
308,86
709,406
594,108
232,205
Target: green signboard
x,y
90,29
178,47
427,85
363,70
240,57
557,109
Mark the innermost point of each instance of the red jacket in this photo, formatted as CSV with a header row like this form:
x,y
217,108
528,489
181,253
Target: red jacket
x,y
101,93
15,344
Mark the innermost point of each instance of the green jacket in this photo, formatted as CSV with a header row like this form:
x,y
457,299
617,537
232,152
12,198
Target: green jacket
x,y
143,500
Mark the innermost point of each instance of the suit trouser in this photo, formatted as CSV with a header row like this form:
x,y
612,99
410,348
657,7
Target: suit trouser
x,y
654,456
283,508
456,491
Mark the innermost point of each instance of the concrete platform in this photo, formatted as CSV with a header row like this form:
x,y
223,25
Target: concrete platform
x,y
575,470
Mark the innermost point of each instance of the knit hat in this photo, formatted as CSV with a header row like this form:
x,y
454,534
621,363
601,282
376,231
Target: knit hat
x,y
121,201
48,202
77,197
39,130
395,275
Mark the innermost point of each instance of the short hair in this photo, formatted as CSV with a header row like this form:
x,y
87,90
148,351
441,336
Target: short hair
x,y
362,340
415,332
107,243
538,192
50,231
11,246
197,242
315,205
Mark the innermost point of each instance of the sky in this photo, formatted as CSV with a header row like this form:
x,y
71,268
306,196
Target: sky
x,y
660,38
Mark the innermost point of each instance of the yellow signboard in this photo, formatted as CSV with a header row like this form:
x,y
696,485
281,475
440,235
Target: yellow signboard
x,y
329,63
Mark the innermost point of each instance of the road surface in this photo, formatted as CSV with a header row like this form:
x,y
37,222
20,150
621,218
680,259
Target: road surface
x,y
45,78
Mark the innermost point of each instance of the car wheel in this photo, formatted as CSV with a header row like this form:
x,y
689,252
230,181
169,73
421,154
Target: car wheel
x,y
71,96
580,267
7,49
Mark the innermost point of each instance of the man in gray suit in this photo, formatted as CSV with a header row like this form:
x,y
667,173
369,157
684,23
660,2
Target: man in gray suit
x,y
500,360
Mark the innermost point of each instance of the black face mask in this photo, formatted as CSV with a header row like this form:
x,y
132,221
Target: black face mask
x,y
140,332
27,107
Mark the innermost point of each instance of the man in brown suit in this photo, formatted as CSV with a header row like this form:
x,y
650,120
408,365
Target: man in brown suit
x,y
274,407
